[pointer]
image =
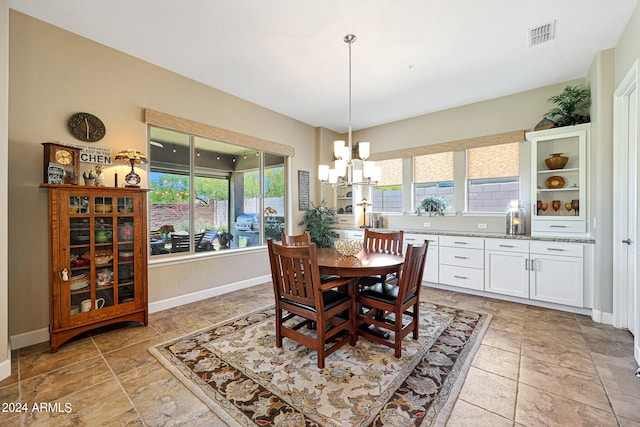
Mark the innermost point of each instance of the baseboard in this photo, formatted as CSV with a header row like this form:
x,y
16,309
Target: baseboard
x,y
166,304
602,317
5,365
29,338
41,335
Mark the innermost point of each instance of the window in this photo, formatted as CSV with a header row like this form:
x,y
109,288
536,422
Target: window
x,y
387,195
206,194
433,175
493,177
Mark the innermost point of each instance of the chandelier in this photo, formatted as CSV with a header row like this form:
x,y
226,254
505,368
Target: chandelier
x,y
346,170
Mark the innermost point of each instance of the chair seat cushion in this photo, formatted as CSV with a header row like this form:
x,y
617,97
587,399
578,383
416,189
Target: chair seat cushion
x,y
381,292
369,280
331,299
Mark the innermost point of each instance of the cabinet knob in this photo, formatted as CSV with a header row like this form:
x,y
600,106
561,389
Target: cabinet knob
x,y
627,241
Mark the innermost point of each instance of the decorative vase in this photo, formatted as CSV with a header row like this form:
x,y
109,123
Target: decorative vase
x,y
90,181
556,161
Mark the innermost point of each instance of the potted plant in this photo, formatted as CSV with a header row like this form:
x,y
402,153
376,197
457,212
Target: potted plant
x,y
433,205
317,221
89,177
572,106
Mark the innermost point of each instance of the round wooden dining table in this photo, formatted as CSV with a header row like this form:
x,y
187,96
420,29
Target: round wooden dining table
x,y
363,264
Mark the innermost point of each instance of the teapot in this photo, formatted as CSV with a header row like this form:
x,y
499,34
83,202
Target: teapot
x,y
103,236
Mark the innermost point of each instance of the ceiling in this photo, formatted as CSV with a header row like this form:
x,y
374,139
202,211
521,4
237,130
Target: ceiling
x,y
411,57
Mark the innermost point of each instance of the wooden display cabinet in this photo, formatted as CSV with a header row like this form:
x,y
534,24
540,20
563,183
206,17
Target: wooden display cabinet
x,y
98,258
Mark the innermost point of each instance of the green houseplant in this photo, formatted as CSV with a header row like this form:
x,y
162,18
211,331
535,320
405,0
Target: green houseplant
x,y
433,205
317,221
572,106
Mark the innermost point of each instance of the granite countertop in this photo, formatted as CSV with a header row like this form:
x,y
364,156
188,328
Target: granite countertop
x,y
483,235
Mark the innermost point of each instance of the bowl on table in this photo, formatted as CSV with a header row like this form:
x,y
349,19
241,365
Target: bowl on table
x,y
348,247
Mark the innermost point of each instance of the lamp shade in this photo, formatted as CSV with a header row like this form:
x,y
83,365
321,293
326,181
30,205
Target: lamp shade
x,y
131,156
363,150
323,172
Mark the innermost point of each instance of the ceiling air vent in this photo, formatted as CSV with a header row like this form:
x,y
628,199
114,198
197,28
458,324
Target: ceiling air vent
x,y
542,34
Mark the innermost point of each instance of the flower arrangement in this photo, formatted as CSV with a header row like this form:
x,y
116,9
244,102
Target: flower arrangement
x,y
88,174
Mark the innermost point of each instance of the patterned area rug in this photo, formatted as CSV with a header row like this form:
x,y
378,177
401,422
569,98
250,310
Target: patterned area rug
x,y
236,369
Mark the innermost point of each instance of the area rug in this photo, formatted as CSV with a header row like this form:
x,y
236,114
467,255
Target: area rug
x,y
237,371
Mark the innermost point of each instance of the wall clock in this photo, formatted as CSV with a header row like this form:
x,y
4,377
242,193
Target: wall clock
x,y
68,158
86,127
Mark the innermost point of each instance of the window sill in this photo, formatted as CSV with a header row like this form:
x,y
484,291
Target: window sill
x,y
161,261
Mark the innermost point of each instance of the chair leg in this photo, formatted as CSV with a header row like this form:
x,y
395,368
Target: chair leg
x,y
397,339
279,328
416,316
353,315
320,326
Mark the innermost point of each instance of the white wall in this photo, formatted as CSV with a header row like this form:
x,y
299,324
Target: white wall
x,y
5,357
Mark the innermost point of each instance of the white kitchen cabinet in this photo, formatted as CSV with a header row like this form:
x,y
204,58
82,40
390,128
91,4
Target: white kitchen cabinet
x,y
461,262
506,267
557,273
431,263
356,234
565,187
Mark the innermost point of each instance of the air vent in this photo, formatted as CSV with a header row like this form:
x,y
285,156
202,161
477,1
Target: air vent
x,y
542,34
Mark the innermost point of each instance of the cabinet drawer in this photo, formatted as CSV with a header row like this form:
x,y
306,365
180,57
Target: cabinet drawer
x,y
356,235
559,249
345,220
418,239
506,245
558,226
470,278
462,257
462,242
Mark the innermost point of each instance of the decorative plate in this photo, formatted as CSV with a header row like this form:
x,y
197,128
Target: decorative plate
x,y
554,182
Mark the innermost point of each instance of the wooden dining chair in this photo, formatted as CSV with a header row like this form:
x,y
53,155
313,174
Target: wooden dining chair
x,y
296,240
298,291
384,242
379,301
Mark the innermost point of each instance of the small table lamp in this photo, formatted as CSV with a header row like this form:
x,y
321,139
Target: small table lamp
x,y
364,203
134,157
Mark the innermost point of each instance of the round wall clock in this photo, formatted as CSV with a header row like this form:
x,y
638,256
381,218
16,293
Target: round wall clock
x,y
86,127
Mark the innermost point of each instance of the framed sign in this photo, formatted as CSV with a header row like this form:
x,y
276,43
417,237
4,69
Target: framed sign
x,y
55,174
303,190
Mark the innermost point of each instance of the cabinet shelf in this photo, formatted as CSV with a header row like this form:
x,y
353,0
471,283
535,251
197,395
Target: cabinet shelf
x,y
557,171
549,190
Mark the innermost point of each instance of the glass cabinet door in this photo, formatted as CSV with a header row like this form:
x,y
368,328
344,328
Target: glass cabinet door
x,y
125,290
103,276
79,277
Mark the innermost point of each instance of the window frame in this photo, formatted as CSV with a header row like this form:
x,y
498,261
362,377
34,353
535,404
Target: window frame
x,y
195,171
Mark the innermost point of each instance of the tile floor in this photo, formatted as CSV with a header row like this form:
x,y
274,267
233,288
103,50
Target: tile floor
x,y
535,367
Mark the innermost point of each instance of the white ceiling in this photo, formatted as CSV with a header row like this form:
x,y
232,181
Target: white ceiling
x,y
411,57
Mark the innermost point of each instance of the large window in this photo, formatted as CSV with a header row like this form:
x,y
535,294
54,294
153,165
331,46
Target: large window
x,y
206,194
387,195
493,177
433,175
